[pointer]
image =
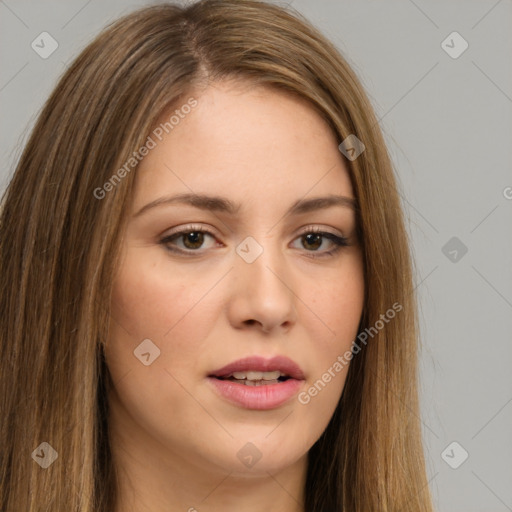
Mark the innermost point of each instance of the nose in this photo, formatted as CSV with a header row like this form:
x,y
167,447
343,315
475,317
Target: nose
x,y
262,292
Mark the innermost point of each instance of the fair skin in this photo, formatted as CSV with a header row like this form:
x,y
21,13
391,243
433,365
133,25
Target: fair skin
x,y
174,439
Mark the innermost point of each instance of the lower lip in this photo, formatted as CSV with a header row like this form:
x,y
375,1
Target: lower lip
x,y
266,396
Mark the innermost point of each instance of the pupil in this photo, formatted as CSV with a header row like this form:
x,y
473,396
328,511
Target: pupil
x,y
313,239
196,239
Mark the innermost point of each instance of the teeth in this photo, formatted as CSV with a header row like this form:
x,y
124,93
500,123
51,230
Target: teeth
x,y
259,382
255,376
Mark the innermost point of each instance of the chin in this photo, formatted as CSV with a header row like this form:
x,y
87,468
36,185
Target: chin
x,y
260,454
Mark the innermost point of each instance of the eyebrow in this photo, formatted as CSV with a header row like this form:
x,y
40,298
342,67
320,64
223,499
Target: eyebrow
x,y
222,204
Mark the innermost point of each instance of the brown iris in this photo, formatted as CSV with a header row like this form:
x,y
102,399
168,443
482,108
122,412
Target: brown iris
x,y
313,239
195,238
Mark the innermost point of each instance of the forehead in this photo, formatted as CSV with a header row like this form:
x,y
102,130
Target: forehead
x,y
252,143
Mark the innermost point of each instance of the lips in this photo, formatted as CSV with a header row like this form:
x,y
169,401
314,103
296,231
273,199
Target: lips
x,y
281,379
282,364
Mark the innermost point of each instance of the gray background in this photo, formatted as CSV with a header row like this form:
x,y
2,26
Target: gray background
x,y
448,123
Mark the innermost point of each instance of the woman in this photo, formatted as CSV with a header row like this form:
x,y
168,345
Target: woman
x,y
207,299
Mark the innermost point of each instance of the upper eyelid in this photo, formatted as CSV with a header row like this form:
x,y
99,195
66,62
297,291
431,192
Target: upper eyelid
x,y
306,229
188,229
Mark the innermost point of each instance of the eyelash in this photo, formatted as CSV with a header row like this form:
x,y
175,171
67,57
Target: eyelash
x,y
338,241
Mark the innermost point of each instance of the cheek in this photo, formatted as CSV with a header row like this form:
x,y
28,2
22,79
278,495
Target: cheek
x,y
330,361
149,301
338,305
152,299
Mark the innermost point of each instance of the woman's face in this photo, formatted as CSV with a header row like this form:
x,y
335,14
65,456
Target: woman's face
x,y
205,283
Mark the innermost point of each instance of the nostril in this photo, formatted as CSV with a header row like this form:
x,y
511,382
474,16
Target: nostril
x,y
252,322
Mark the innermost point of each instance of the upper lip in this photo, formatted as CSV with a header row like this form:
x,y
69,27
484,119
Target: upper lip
x,y
260,364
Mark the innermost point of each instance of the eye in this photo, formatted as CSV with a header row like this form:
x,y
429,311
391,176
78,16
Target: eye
x,y
191,238
313,238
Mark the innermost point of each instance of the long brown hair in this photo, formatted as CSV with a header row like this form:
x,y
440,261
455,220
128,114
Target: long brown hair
x,y
59,249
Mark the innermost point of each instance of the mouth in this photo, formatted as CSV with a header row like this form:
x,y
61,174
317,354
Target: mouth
x,y
258,383
254,378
